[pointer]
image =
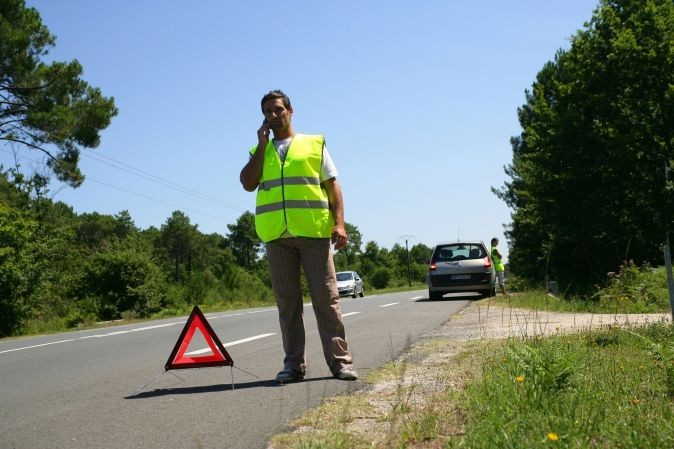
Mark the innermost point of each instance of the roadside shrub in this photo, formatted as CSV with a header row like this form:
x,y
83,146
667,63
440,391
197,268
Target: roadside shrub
x,y
518,284
637,289
19,272
199,287
380,278
419,272
124,279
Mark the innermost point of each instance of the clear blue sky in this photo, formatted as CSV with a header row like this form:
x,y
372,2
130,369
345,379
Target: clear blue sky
x,y
417,101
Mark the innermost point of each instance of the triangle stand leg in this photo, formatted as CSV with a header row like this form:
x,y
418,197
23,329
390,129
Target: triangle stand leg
x,y
231,368
150,382
247,372
155,379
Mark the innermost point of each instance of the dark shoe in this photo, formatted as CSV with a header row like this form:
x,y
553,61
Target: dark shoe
x,y
289,375
346,373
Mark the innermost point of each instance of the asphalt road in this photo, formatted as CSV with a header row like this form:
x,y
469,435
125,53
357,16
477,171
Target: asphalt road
x,y
77,389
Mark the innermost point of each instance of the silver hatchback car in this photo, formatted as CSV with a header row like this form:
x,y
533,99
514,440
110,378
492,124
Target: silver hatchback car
x,y
461,267
349,283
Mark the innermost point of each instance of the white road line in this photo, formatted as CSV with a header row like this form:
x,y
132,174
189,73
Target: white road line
x,y
211,317
389,305
146,328
110,334
260,311
37,346
350,313
231,343
417,297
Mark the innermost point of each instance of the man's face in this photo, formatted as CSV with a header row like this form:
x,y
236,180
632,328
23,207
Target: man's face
x,y
276,114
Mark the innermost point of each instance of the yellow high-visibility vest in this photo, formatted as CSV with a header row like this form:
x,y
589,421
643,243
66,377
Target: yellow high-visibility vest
x,y
498,263
290,195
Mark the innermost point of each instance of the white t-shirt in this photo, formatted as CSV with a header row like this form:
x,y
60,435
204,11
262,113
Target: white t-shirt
x,y
328,169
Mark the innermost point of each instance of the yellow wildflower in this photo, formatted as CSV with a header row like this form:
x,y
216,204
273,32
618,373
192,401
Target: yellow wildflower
x,y
519,378
552,436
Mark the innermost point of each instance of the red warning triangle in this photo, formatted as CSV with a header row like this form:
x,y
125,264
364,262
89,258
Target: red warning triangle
x,y
219,356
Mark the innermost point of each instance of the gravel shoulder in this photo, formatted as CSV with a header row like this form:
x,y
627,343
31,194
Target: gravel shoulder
x,y
481,319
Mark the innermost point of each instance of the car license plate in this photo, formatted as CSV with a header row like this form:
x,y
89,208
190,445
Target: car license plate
x,y
460,276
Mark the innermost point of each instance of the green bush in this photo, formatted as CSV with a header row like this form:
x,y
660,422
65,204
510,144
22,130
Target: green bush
x,y
380,278
638,289
18,273
124,279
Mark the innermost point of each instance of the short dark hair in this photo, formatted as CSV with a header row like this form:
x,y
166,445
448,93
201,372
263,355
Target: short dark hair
x,y
494,240
274,94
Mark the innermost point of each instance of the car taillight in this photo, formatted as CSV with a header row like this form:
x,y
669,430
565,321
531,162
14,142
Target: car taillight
x,y
431,267
487,262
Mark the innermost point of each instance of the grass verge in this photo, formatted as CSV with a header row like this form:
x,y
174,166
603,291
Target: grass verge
x,y
601,303
606,388
609,388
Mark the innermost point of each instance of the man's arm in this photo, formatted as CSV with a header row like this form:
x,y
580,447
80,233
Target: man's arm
x,y
252,171
339,237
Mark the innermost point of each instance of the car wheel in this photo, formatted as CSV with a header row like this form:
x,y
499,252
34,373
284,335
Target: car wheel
x,y
362,292
354,293
488,293
434,295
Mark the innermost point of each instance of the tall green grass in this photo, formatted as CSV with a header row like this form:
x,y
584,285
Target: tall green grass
x,y
612,388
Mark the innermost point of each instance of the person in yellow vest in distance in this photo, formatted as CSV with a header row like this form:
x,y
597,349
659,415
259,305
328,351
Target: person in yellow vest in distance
x,y
299,212
499,267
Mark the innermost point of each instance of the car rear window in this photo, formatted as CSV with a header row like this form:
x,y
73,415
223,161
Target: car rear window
x,y
454,252
344,276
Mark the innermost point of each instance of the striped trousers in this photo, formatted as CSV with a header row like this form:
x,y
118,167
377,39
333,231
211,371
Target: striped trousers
x,y
286,256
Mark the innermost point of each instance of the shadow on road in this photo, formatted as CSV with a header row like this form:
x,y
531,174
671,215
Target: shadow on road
x,y
215,388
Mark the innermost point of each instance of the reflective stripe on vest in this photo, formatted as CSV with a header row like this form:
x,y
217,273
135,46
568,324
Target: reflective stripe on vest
x,y
295,204
292,180
290,195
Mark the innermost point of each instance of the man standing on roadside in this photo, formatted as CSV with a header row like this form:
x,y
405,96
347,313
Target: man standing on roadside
x,y
299,211
499,266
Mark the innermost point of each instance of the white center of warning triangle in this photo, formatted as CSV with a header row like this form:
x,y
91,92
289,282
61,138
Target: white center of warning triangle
x,y
197,341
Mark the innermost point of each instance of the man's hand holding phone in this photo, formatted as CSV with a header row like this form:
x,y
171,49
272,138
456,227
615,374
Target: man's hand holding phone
x,y
263,134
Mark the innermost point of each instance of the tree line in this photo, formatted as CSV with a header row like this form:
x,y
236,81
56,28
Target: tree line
x,y
590,182
62,267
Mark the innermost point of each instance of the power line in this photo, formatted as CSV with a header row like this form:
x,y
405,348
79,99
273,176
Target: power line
x,y
157,180
156,199
136,193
